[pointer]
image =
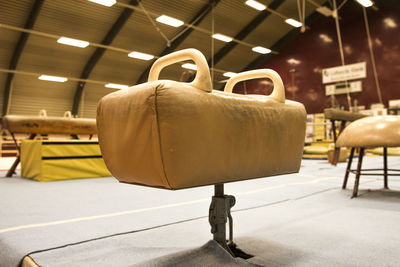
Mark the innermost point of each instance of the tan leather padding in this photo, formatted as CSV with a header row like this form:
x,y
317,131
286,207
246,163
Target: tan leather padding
x,y
172,135
28,262
48,125
378,131
342,115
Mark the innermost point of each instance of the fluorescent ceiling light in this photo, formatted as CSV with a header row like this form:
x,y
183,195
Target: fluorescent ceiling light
x,y
116,86
325,11
104,2
222,37
141,56
256,5
73,42
52,78
229,74
189,66
293,22
169,21
365,3
261,50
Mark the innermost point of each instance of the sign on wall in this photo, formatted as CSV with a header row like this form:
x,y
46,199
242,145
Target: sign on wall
x,y
343,73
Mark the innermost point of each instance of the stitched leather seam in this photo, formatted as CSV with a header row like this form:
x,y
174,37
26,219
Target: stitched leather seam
x,y
159,135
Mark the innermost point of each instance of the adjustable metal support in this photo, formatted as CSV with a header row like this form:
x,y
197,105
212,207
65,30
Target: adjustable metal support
x,y
220,211
11,171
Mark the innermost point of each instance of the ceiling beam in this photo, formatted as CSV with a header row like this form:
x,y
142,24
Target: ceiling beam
x,y
98,53
18,51
244,32
204,11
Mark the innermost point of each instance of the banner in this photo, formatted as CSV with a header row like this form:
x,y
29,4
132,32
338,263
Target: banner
x,y
343,73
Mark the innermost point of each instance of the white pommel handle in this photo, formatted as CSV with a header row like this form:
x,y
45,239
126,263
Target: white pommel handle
x,y
42,113
279,90
201,81
67,114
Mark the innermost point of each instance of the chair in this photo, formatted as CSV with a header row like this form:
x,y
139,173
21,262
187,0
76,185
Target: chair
x,y
370,132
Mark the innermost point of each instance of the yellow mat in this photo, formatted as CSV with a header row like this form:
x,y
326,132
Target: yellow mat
x,y
61,160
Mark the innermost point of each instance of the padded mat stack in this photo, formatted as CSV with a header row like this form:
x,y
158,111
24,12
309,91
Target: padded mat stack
x,y
60,160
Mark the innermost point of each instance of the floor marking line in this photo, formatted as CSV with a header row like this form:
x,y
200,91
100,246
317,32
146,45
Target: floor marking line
x,y
27,226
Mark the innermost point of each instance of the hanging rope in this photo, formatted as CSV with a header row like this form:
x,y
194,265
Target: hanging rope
x,y
335,10
154,24
341,5
371,51
301,7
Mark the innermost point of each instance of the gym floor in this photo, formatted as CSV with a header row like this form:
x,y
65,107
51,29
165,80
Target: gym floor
x,y
302,219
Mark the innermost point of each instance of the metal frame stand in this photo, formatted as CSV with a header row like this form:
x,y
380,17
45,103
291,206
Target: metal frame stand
x,y
220,211
11,171
337,149
358,172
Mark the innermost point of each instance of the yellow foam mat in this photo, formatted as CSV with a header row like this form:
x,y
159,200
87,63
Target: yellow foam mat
x,y
391,151
61,160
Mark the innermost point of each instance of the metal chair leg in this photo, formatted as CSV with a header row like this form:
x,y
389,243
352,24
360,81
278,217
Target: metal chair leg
x,y
385,169
346,176
11,171
358,173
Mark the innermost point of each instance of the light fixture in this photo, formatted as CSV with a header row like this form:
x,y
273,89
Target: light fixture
x,y
53,78
116,86
261,50
256,5
141,56
72,42
104,2
222,37
324,11
293,22
365,3
229,74
169,21
390,23
189,66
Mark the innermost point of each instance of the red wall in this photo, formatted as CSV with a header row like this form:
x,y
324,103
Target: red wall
x,y
318,48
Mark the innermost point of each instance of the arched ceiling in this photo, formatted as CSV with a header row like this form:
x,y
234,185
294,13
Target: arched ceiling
x,y
113,32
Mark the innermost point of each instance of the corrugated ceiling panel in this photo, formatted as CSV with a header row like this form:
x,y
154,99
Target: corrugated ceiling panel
x,y
77,19
8,41
116,67
229,18
91,96
29,95
12,13
140,35
274,27
47,56
15,12
237,59
202,42
3,77
183,10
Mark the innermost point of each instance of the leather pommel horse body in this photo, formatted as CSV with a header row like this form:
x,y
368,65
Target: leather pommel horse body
x,y
34,125
174,135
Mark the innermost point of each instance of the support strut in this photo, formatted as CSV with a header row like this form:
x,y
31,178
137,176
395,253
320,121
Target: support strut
x,y
220,212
